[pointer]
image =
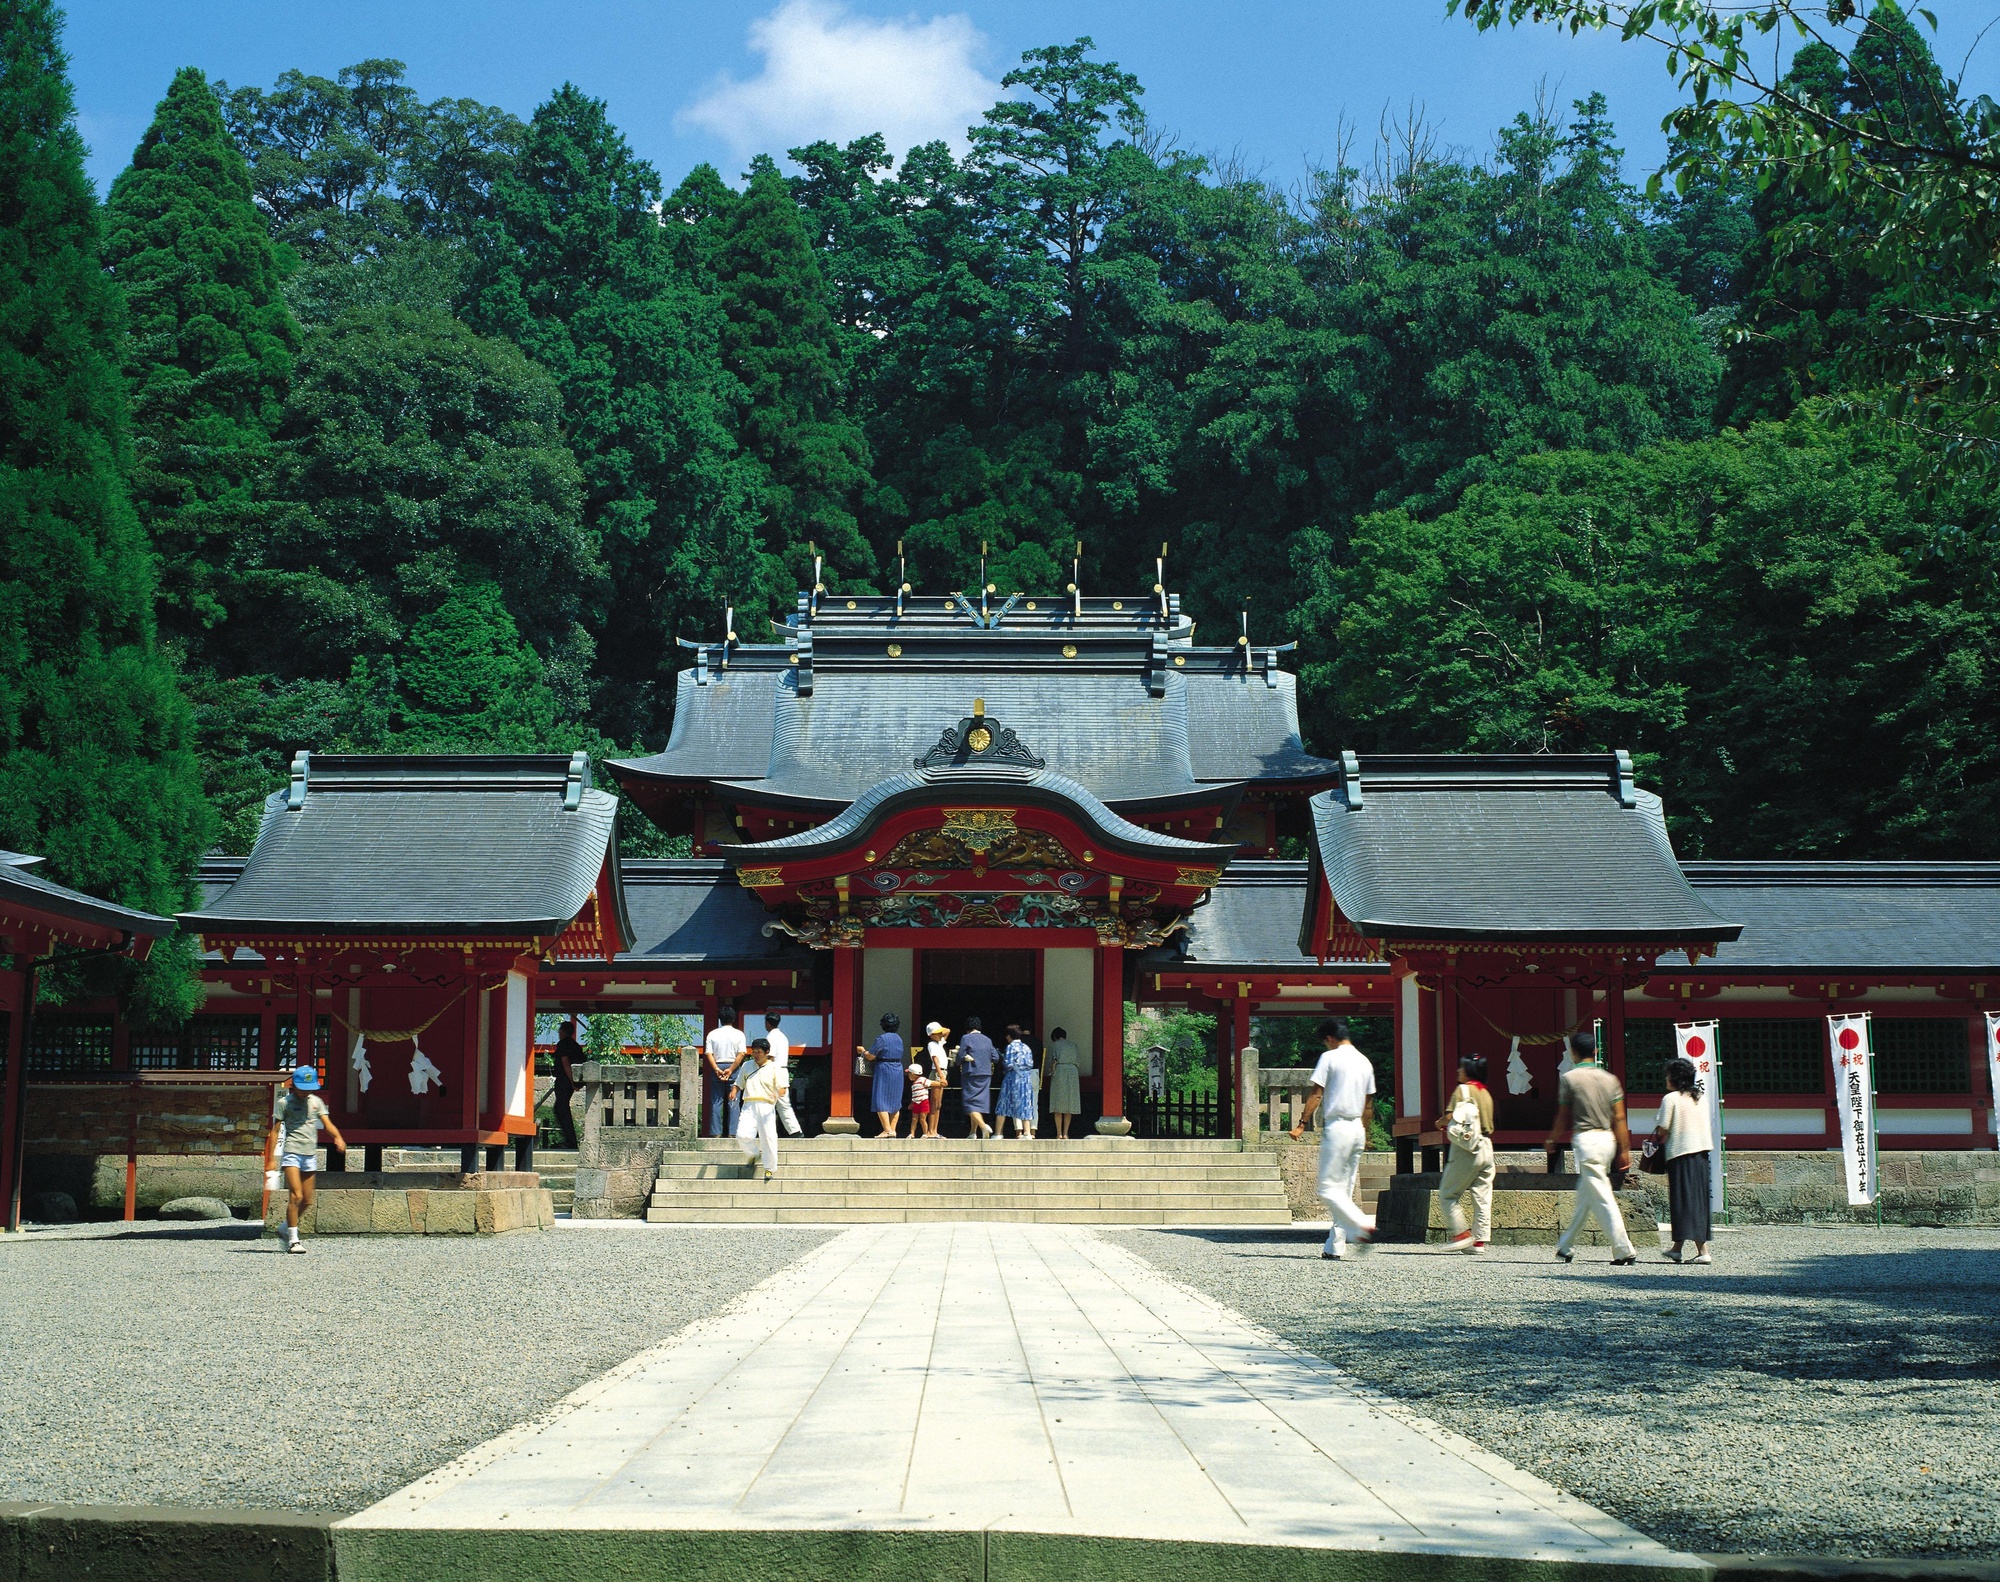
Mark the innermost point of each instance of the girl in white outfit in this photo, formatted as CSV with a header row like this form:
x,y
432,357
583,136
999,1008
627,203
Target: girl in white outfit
x,y
757,1126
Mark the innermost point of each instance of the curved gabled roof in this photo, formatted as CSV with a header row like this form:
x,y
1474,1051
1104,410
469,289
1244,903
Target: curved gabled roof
x,y
1117,698
28,895
450,845
980,784
1504,847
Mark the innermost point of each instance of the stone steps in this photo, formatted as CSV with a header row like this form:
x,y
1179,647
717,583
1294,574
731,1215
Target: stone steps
x,y
1095,1181
557,1168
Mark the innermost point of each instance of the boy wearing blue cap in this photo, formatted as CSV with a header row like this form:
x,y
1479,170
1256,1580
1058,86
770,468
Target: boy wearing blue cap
x,y
295,1127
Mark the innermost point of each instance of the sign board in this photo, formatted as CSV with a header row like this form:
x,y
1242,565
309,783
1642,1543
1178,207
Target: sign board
x,y
1697,1043
1854,1102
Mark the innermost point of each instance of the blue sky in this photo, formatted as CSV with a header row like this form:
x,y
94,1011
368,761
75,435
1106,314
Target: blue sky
x,y
719,80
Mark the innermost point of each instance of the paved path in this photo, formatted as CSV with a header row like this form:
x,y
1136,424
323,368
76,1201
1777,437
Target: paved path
x,y
1001,1379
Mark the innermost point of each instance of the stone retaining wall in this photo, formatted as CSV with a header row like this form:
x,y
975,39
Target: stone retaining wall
x,y
1944,1187
416,1203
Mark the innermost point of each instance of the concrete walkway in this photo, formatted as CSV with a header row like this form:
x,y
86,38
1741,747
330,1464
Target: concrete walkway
x,y
984,1401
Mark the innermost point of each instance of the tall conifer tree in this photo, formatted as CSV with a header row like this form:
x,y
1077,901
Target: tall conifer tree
x,y
96,770
210,348
778,340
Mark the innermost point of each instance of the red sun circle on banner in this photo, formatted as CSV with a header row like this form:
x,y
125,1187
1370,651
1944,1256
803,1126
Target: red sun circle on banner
x,y
1697,1045
1849,1038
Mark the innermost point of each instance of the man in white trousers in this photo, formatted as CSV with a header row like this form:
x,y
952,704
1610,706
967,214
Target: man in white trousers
x,y
1342,1082
757,1126
1595,1100
781,1057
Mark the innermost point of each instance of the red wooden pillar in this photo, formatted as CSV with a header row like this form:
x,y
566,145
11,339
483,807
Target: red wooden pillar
x,y
14,1095
840,1120
303,1055
1614,1029
1111,1040
1239,1039
1980,1081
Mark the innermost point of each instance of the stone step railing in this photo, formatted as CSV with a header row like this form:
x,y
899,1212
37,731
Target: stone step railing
x,y
632,1113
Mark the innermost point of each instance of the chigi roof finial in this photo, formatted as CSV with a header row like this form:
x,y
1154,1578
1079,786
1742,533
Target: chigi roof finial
x,y
902,578
1160,581
1076,583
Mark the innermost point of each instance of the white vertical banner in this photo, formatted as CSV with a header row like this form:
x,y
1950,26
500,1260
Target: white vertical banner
x,y
1696,1043
1854,1102
1993,1069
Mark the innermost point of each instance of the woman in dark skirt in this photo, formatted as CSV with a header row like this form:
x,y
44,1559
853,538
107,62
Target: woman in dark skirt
x,y
886,1090
1682,1129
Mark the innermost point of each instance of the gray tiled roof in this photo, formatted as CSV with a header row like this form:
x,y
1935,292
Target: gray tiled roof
x,y
1251,920
1865,916
1505,847
20,887
1120,701
1022,786
693,911
434,845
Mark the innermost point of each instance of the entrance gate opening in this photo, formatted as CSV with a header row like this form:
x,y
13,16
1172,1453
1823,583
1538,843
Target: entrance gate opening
x,y
997,986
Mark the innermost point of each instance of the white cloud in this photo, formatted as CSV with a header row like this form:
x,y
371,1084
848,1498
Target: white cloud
x,y
829,74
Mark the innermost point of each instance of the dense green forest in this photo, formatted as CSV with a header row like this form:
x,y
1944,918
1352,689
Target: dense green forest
x,y
359,422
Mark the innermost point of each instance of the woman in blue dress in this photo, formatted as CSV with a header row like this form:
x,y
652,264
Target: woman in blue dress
x,y
1017,1087
886,1095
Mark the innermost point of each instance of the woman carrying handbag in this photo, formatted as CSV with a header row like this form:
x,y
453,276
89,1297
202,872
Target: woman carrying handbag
x,y
1682,1134
1468,1124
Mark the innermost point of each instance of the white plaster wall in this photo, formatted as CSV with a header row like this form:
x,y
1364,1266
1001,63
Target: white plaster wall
x,y
1069,1000
519,1037
887,984
1410,1095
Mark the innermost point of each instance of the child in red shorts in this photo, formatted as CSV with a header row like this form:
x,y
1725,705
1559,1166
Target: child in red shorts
x,y
920,1097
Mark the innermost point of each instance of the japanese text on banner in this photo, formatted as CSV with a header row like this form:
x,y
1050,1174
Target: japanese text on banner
x,y
1854,1096
1698,1044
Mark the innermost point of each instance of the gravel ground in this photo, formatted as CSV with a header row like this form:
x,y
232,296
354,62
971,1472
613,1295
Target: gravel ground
x,y
1813,1392
197,1365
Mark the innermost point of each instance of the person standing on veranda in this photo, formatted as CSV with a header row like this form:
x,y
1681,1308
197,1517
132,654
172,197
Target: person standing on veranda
x,y
757,1125
1342,1084
1468,1122
1065,1086
722,1051
1593,1100
568,1053
781,1057
1682,1128
886,1091
975,1077
1017,1085
940,1073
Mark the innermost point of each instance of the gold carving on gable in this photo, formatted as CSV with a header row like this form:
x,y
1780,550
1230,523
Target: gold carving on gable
x,y
759,878
978,838
1203,878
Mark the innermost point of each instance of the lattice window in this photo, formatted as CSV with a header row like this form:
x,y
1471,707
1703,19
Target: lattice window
x,y
1782,1055
1649,1046
288,1043
1921,1054
69,1044
205,1043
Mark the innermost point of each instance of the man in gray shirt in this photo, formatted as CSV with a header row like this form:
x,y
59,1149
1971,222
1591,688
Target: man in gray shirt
x,y
1595,1100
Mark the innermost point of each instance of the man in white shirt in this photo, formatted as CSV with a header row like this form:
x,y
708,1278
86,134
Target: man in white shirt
x,y
723,1051
1343,1082
781,1057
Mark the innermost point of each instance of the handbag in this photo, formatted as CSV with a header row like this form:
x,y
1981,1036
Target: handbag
x,y
861,1065
1463,1127
1653,1158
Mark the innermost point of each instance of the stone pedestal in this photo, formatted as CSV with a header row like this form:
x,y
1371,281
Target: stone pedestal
x,y
422,1203
1113,1126
1529,1208
840,1126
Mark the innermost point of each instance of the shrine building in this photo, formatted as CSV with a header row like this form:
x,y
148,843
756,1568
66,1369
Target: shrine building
x,y
1039,811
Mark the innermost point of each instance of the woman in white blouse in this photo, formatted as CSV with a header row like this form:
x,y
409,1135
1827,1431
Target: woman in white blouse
x,y
1682,1129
